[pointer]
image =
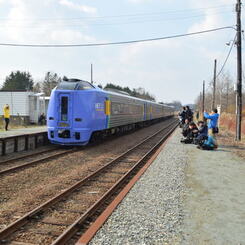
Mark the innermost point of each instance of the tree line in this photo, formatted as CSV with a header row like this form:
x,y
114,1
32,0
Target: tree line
x,y
18,80
139,92
225,95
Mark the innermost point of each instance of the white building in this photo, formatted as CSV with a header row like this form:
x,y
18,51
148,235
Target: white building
x,y
24,105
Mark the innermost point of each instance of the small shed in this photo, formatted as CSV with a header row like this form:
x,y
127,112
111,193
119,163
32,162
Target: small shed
x,y
25,106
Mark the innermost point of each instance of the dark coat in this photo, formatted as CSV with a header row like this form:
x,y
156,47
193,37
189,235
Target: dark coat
x,y
189,114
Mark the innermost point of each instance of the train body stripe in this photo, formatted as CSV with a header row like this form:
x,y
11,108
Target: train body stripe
x,y
108,107
108,112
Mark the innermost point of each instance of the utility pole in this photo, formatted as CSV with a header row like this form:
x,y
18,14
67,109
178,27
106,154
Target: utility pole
x,y
200,103
92,73
214,84
227,96
239,73
203,98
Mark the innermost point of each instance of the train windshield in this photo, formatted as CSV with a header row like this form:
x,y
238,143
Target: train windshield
x,y
64,108
81,85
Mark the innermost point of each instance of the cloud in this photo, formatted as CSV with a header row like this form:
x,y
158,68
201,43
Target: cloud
x,y
80,7
208,3
23,26
209,42
170,69
69,36
139,1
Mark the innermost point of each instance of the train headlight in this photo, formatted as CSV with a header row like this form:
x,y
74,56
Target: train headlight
x,y
63,125
78,119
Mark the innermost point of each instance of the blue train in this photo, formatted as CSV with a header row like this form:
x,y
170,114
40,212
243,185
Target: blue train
x,y
78,110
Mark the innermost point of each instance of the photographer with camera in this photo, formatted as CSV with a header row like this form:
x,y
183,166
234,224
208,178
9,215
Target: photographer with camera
x,y
212,124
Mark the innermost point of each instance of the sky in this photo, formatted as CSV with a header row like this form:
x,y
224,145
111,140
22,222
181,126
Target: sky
x,y
171,69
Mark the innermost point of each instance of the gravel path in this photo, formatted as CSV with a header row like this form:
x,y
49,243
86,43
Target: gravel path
x,y
152,211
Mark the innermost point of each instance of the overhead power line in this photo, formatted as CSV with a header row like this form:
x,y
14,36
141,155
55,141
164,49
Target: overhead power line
x,y
227,57
127,15
126,22
113,43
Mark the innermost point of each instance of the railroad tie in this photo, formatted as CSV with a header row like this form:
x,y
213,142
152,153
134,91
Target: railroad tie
x,y
54,223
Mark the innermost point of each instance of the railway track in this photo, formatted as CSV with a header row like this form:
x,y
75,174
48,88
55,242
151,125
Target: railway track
x,y
69,213
30,160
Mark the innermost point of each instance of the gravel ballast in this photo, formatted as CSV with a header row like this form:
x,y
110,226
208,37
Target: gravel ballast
x,y
24,190
187,196
152,211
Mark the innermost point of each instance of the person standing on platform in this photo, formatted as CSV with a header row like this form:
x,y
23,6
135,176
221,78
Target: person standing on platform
x,y
6,115
189,113
185,129
197,115
183,116
212,124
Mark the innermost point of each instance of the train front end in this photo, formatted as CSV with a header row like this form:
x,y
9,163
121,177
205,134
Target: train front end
x,y
68,117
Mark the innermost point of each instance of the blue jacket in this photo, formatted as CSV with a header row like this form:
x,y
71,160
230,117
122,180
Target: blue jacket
x,y
213,119
209,142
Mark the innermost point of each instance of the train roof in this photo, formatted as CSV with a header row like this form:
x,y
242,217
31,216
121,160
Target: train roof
x,y
74,84
116,91
78,84
132,97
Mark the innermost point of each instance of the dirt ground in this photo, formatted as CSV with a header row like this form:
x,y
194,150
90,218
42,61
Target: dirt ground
x,y
215,198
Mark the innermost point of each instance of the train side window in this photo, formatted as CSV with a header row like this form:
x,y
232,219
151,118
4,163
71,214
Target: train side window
x,y
115,108
64,108
125,109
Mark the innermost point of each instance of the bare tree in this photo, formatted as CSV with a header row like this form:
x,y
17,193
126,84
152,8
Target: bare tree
x,y
37,88
225,95
51,80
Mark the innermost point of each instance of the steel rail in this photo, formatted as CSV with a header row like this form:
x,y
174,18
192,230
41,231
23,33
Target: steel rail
x,y
72,229
33,162
27,155
11,228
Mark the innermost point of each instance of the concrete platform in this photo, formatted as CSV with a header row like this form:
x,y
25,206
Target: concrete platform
x,y
214,207
187,196
20,131
23,139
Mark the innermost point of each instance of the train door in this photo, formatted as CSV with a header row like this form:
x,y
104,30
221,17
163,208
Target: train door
x,y
145,112
64,110
107,107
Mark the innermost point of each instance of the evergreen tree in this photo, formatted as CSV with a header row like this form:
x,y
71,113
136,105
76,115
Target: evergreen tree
x,y
18,81
139,92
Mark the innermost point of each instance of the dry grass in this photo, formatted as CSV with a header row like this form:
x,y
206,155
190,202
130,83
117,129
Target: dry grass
x,y
228,121
227,134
